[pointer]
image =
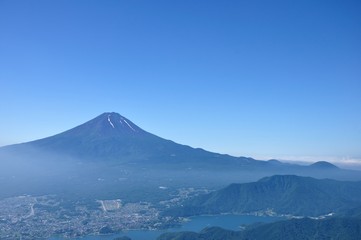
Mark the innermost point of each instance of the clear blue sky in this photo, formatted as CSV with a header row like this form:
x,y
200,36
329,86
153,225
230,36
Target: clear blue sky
x,y
266,79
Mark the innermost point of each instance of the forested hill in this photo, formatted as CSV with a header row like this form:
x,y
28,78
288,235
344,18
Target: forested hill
x,y
295,229
283,194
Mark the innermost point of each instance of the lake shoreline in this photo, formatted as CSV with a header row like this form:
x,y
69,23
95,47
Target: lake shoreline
x,y
197,223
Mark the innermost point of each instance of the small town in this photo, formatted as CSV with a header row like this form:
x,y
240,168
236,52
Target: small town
x,y
28,217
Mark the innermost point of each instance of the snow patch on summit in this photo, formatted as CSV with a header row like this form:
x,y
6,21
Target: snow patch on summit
x,y
110,122
129,125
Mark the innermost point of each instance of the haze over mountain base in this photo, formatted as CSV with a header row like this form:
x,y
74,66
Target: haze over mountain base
x,y
108,167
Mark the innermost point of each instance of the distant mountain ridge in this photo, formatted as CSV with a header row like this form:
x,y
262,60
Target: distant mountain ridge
x,y
323,165
283,194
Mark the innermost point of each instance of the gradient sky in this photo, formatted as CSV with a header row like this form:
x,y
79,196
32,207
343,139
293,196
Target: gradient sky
x,y
266,79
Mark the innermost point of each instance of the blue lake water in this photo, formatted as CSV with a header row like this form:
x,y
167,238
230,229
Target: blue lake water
x,y
195,224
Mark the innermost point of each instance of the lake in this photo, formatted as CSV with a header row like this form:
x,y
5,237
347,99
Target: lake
x,y
195,224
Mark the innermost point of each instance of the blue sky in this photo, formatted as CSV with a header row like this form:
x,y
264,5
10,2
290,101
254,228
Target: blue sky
x,y
266,79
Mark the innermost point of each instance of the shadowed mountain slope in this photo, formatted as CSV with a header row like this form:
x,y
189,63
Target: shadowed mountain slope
x,y
295,229
285,194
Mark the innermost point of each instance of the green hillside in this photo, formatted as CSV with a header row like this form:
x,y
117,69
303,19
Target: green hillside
x,y
285,194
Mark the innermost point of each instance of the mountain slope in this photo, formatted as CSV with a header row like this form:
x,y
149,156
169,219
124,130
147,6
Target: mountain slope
x,y
283,194
111,136
114,138
322,165
110,151
295,229
109,156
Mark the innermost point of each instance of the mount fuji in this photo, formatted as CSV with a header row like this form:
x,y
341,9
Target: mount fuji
x,y
112,137
111,155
